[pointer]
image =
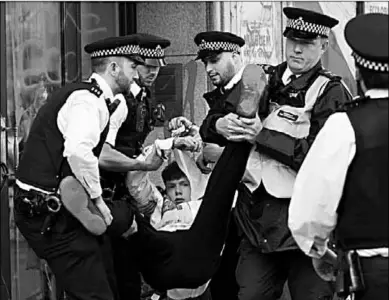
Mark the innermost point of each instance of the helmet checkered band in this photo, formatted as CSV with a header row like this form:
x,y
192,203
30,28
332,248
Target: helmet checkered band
x,y
214,46
300,24
371,65
158,52
122,50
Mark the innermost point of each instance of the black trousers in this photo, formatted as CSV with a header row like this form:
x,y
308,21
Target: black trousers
x,y
125,253
81,262
375,273
223,285
263,275
189,258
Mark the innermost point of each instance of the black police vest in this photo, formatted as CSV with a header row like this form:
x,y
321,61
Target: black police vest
x,y
294,93
42,164
363,209
275,91
136,127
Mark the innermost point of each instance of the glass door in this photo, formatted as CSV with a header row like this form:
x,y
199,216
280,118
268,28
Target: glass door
x,y
33,71
42,49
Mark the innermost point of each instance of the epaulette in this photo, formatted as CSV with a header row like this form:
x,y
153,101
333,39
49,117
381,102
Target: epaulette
x,y
268,69
355,102
94,88
330,75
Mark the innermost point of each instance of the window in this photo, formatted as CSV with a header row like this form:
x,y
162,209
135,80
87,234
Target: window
x,y
44,49
33,59
98,20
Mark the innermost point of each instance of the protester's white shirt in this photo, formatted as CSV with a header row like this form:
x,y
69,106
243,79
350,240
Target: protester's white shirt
x,y
319,185
81,120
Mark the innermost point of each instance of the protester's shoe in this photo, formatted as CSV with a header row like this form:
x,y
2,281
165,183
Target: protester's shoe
x,y
78,203
253,84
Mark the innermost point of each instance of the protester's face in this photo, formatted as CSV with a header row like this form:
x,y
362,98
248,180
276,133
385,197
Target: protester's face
x,y
302,55
220,68
178,190
147,74
127,72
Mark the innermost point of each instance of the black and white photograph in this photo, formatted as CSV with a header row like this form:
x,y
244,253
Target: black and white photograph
x,y
194,150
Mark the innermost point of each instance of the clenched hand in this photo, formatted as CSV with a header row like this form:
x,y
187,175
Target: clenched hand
x,y
104,210
238,129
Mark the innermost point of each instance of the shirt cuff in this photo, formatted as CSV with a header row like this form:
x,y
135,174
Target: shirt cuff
x,y
95,192
308,247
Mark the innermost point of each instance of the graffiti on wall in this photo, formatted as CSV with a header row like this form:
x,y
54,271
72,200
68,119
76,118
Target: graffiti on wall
x,y
39,51
261,28
34,55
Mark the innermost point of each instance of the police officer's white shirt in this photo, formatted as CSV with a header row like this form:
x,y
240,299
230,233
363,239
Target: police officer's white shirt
x,y
286,77
319,185
120,114
234,80
81,121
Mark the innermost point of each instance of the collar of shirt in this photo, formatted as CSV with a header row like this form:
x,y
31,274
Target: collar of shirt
x,y
286,76
135,89
377,93
107,91
234,80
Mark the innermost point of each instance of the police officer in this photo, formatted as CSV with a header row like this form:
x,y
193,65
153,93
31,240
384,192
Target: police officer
x,y
300,96
129,127
342,185
60,160
220,54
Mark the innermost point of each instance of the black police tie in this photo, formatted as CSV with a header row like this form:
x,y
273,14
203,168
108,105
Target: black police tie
x,y
292,77
141,111
112,106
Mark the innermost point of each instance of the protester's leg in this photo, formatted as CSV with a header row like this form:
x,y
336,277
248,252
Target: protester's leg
x,y
126,262
210,226
108,260
72,253
207,234
124,251
122,217
260,276
205,296
167,257
303,282
223,285
199,248
80,269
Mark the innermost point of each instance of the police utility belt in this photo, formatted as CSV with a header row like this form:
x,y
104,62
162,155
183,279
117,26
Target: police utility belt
x,y
349,277
35,203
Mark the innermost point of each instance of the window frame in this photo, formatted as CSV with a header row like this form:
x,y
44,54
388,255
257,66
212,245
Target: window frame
x,y
5,250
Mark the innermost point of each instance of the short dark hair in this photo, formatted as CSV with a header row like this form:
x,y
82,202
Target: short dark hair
x,y
99,64
374,79
172,172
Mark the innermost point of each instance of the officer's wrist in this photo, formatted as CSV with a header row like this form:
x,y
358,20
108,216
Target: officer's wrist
x,y
217,126
174,143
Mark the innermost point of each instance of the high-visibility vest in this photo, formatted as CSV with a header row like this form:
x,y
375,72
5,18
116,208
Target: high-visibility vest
x,y
277,177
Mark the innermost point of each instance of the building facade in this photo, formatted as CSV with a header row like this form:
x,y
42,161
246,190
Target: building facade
x,y
42,49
